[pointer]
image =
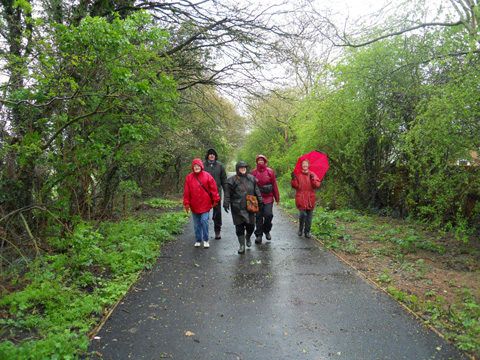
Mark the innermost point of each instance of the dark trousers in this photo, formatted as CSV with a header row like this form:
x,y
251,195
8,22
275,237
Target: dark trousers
x,y
263,220
305,217
240,229
217,217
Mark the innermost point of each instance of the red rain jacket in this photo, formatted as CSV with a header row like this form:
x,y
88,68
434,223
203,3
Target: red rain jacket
x,y
195,195
266,176
305,190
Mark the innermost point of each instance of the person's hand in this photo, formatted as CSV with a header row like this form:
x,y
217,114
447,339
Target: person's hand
x,y
215,203
293,175
278,203
187,208
225,207
311,176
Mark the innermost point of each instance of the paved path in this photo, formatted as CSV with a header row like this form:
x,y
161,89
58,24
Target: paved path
x,y
284,299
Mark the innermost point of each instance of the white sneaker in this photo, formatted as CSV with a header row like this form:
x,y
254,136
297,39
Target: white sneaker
x,y
197,244
206,244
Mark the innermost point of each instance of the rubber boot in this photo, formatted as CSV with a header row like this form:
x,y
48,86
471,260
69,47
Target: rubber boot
x,y
241,241
249,239
300,227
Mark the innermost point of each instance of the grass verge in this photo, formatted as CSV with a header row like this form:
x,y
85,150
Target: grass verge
x,y
49,306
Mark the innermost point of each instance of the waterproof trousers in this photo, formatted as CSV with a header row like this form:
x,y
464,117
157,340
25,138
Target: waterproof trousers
x,y
305,219
263,220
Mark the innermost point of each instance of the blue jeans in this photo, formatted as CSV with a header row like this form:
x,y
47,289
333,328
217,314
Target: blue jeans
x,y
200,224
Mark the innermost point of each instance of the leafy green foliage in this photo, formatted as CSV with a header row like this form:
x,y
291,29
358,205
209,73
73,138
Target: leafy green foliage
x,y
61,300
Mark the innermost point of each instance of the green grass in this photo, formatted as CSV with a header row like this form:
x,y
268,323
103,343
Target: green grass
x,y
58,301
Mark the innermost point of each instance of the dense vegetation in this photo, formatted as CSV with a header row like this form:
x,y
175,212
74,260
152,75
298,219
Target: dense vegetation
x,y
401,128
105,104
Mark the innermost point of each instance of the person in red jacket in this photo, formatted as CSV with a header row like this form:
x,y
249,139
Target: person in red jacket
x,y
200,195
267,184
305,184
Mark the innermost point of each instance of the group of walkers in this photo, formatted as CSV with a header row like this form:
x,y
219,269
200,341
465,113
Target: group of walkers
x,y
204,185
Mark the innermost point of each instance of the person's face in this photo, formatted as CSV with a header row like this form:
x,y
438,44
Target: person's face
x,y
304,166
260,161
211,157
197,168
242,170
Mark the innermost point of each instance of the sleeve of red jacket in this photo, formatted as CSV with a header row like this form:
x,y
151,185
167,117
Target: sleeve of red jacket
x,y
186,192
315,181
276,193
294,183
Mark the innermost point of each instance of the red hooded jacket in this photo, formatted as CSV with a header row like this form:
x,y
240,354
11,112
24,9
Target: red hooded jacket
x,y
305,190
195,195
266,176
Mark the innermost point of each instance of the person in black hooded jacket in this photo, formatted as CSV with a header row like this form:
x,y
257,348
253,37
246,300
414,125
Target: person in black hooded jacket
x,y
238,186
216,169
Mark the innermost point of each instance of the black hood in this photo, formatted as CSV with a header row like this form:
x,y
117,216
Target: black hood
x,y
239,165
211,151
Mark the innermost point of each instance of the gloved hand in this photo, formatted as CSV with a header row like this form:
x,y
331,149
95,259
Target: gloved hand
x,y
293,175
187,208
311,176
215,203
225,207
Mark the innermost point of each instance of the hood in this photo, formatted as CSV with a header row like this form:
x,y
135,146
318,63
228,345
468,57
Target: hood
x,y
239,165
211,151
261,156
198,162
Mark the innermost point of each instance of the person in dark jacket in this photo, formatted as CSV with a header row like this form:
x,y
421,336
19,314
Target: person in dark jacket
x,y
216,169
305,184
238,186
200,195
267,183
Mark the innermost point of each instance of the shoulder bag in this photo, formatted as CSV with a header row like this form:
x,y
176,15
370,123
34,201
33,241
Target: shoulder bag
x,y
252,201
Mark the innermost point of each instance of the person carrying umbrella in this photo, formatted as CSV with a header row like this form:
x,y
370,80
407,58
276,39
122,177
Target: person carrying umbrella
x,y
305,182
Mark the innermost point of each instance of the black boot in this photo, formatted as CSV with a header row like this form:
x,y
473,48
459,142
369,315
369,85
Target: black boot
x,y
249,239
241,241
258,240
300,227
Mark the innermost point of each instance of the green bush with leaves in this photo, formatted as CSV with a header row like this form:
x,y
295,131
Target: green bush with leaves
x,y
64,294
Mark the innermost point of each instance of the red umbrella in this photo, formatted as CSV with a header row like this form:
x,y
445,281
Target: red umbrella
x,y
318,163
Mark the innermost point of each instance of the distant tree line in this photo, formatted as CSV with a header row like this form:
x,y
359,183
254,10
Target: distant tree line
x,y
398,113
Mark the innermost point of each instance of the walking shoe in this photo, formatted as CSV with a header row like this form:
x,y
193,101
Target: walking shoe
x,y
206,244
307,235
217,235
268,236
300,233
258,240
197,244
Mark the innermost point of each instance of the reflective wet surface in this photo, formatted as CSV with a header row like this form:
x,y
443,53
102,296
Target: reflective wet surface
x,y
287,298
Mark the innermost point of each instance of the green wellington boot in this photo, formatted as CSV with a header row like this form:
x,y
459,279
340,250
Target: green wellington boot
x,y
249,240
241,241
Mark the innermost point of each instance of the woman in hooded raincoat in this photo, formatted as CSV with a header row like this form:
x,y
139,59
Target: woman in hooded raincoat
x,y
200,195
267,183
305,184
237,187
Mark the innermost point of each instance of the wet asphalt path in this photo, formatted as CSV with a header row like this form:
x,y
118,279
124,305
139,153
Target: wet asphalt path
x,y
288,298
